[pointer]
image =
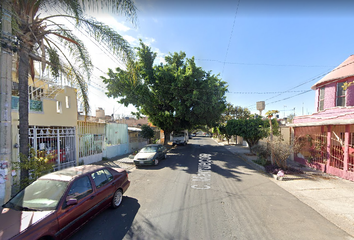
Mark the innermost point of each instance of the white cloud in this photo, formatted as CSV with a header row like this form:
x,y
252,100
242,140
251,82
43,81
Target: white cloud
x,y
148,41
131,40
160,58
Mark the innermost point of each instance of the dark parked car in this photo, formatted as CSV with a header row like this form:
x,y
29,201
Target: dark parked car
x,y
57,204
150,155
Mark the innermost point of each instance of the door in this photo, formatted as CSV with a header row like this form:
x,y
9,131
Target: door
x,y
73,216
105,187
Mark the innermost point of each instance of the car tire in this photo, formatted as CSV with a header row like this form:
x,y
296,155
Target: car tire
x,y
117,198
156,162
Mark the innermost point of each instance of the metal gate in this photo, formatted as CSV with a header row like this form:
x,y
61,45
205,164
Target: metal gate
x,y
337,147
57,142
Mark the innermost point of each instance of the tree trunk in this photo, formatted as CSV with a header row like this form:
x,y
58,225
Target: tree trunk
x,y
23,105
271,142
166,137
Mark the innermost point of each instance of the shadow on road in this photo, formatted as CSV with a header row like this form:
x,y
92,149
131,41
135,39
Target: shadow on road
x,y
110,224
224,162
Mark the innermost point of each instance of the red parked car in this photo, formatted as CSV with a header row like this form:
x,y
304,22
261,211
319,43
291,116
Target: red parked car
x,y
57,204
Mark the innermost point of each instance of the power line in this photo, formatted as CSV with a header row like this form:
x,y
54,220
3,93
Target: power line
x,y
232,30
267,92
262,64
320,76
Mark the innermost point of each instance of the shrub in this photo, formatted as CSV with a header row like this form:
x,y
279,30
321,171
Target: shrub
x,y
281,152
262,151
36,166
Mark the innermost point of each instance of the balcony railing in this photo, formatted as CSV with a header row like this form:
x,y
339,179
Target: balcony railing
x,y
34,105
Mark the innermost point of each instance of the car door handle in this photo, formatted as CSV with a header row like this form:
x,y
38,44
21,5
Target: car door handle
x,y
113,183
92,197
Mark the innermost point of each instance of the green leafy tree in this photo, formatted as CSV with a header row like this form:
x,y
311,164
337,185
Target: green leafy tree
x,y
231,112
224,133
176,95
234,112
270,114
42,38
147,132
251,130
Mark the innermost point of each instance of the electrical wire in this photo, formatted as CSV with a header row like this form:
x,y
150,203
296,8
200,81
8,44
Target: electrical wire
x,y
313,79
232,31
263,64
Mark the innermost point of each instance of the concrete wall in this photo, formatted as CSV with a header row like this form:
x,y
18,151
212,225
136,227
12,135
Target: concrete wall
x,y
135,146
285,134
50,117
91,159
117,150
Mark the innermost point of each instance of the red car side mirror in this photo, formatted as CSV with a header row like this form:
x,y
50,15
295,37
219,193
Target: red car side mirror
x,y
71,201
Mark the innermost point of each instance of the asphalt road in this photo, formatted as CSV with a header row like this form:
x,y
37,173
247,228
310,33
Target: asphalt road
x,y
202,191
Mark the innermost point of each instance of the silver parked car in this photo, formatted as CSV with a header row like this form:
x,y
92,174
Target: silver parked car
x,y
150,155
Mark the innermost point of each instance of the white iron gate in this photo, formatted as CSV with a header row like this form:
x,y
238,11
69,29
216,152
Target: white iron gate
x,y
56,142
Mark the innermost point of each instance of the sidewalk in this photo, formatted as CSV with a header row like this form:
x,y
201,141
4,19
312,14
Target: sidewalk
x,y
330,196
122,161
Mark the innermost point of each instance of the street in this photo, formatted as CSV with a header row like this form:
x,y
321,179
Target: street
x,y
202,191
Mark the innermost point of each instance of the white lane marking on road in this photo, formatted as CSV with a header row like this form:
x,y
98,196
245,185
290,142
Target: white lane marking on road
x,y
202,179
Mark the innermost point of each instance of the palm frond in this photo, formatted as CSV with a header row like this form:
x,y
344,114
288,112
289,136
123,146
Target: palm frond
x,y
104,34
69,71
78,51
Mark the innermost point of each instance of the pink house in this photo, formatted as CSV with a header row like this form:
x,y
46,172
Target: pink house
x,y
328,134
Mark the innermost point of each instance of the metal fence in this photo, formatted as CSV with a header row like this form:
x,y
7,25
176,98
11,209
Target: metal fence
x,y
314,140
337,147
91,137
55,143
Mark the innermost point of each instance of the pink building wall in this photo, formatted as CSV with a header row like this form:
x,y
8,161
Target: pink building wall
x,y
330,95
350,93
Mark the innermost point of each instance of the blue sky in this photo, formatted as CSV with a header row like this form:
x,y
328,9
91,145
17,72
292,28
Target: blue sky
x,y
271,51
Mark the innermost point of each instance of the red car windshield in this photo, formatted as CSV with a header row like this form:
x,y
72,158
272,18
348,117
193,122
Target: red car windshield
x,y
41,195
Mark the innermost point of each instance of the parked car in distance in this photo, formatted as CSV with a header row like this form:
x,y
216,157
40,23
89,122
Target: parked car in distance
x,y
57,204
150,155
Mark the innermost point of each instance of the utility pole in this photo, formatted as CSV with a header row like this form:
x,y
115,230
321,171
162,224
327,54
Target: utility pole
x,y
5,99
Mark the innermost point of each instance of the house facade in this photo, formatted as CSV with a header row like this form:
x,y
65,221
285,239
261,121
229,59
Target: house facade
x,y
327,136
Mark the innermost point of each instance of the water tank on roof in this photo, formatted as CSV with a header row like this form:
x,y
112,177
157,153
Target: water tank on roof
x,y
100,113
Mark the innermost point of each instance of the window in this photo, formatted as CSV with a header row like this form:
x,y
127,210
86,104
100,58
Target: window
x,y
108,174
101,177
80,188
67,101
321,99
340,98
59,110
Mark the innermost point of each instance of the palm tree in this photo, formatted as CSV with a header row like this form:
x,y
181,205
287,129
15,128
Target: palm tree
x,y
40,37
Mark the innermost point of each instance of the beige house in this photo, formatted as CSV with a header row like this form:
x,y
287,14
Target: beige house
x,y
52,125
